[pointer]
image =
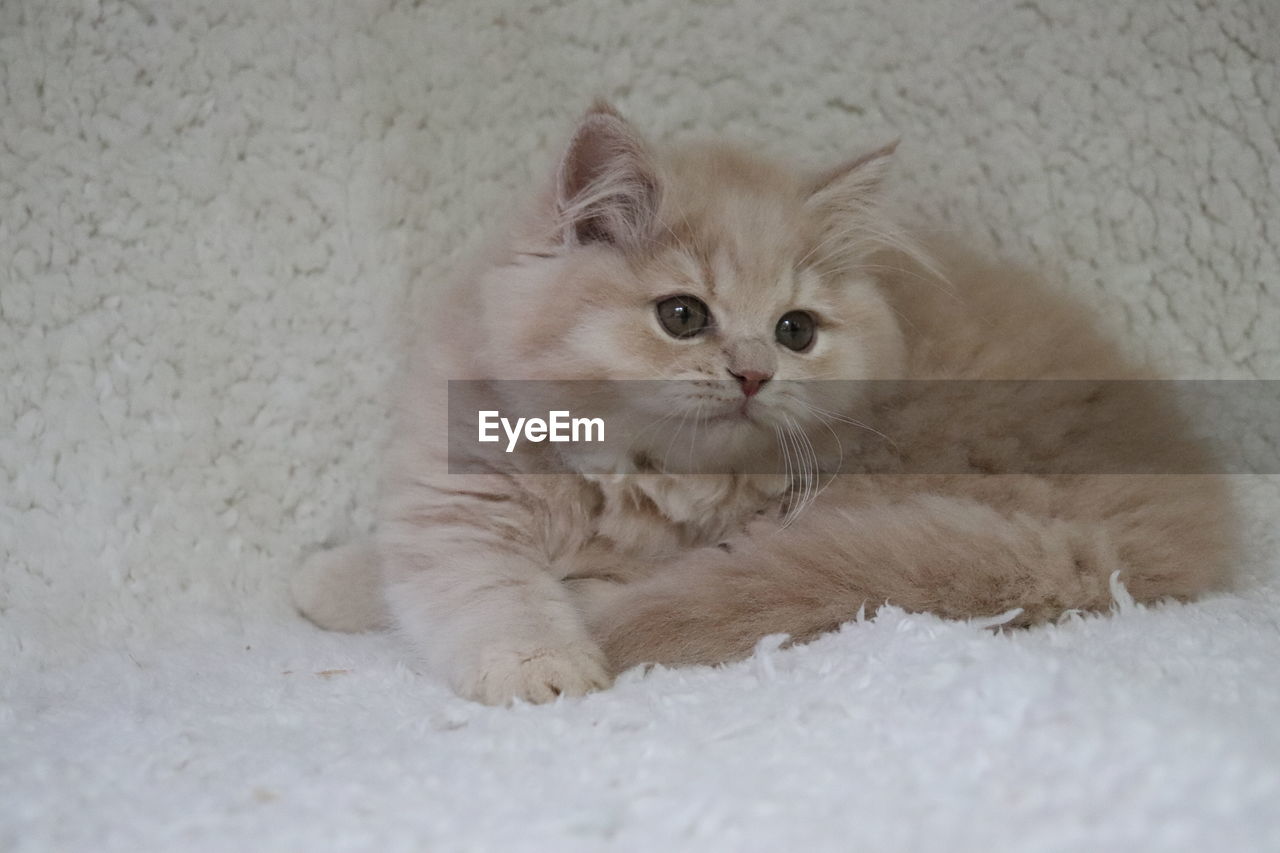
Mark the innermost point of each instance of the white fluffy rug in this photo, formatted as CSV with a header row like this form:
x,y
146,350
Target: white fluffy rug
x,y
212,212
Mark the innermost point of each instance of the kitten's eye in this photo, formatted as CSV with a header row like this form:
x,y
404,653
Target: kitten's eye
x,y
796,330
683,316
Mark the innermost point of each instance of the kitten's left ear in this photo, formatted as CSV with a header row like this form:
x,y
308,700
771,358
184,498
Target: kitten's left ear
x,y
856,181
854,217
607,188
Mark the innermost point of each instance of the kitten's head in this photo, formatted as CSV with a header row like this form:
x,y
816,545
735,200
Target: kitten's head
x,y
701,264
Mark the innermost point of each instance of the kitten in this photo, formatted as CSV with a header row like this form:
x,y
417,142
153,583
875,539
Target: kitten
x,y
734,274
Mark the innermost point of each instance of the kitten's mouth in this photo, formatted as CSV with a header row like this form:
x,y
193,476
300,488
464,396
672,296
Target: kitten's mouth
x,y
743,413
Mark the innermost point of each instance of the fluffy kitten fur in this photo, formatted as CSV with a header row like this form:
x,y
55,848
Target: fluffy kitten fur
x,y
519,586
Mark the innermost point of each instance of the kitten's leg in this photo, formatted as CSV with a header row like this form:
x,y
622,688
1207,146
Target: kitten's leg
x,y
951,556
490,620
341,588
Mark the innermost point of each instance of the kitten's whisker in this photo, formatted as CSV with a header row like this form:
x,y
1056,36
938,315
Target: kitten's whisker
x,y
832,237
796,436
861,224
671,442
818,485
864,240
845,419
839,449
828,238
787,473
799,473
786,468
812,470
654,424
794,476
674,236
693,439
862,233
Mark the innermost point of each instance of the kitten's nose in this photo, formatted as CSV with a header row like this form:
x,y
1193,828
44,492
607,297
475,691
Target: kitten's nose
x,y
751,380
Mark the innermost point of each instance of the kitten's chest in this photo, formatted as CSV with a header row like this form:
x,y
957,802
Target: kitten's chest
x,y
656,516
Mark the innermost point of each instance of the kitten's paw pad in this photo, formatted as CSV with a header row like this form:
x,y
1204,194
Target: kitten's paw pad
x,y
538,675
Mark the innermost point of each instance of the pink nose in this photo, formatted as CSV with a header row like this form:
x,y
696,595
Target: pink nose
x,y
750,381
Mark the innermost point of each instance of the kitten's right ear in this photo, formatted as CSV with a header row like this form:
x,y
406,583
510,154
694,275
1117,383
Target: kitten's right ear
x,y
607,189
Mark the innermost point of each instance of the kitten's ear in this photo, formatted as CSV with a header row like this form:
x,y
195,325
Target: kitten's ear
x,y
607,189
856,181
855,220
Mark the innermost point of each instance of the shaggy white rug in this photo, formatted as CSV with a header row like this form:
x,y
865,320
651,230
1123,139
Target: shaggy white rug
x,y
212,212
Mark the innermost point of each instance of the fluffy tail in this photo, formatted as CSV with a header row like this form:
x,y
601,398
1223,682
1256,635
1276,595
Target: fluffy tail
x,y
950,556
340,589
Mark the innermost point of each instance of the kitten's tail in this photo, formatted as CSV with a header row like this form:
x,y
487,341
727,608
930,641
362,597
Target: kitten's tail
x,y
340,588
950,555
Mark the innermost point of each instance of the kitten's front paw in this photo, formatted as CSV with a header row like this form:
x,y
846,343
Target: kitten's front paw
x,y
535,674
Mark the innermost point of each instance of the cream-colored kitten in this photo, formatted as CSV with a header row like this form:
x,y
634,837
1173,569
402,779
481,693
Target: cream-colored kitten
x,y
734,274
